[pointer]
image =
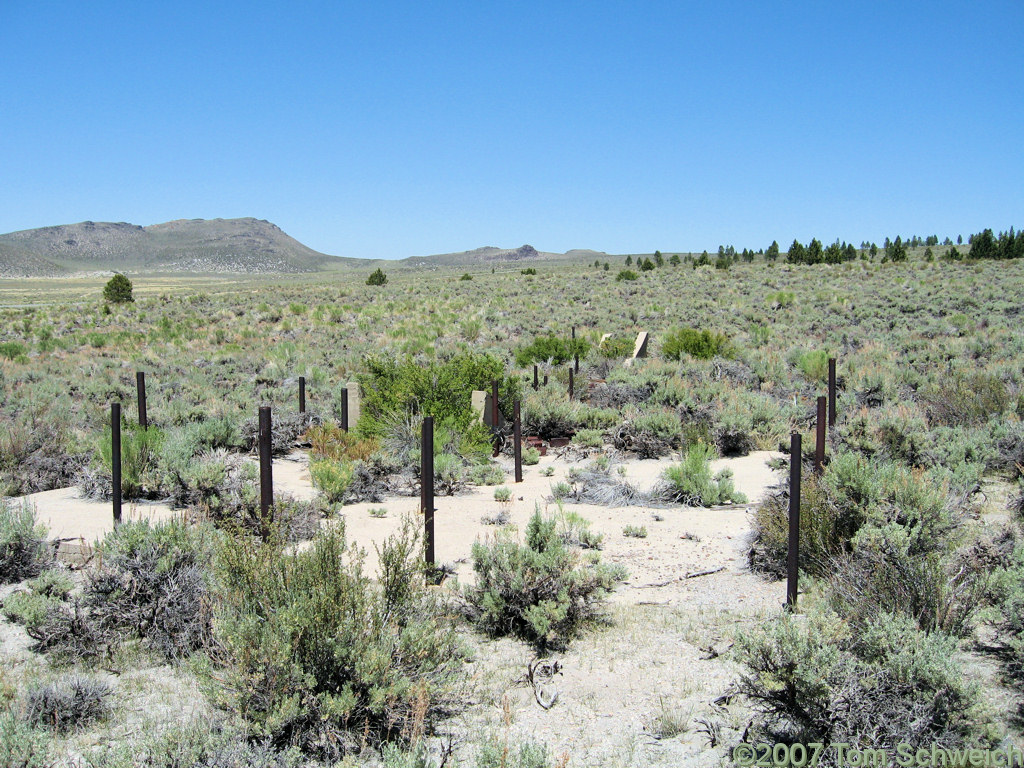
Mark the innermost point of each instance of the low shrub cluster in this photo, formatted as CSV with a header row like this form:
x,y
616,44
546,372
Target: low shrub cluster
x,y
316,655
551,349
543,591
691,482
24,551
702,345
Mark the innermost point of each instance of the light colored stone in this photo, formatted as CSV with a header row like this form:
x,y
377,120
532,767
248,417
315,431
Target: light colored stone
x,y
479,404
640,348
354,404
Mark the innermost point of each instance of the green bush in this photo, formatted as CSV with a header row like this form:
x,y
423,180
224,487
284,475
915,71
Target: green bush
x,y
625,274
616,347
531,456
332,478
965,399
691,482
24,551
703,345
543,592
377,277
813,365
814,680
118,290
551,349
21,745
140,453
11,350
318,656
391,389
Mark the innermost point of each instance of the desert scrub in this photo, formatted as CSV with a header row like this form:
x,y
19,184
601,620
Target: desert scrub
x,y
24,551
703,345
316,655
551,349
812,679
68,703
691,482
30,607
589,438
140,453
330,441
635,531
154,586
21,745
332,478
543,592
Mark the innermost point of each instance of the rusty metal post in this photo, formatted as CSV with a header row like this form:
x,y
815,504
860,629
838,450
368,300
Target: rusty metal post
x,y
302,394
793,558
572,384
266,464
517,437
494,404
545,379
427,487
344,409
819,438
115,460
140,387
831,392
535,380
576,355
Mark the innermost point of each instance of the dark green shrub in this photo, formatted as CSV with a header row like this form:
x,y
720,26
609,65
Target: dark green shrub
x,y
543,592
703,345
11,350
140,451
616,347
24,551
625,274
812,679
377,277
551,349
466,277
528,271
118,290
442,389
317,655
691,482
68,703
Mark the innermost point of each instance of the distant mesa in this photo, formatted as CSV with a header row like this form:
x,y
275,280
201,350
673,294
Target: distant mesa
x,y
247,245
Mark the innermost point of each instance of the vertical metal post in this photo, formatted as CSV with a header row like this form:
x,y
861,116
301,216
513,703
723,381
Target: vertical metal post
x,y
545,379
831,392
344,409
572,384
115,460
302,394
819,438
140,386
793,559
517,438
535,379
576,355
494,404
427,486
266,464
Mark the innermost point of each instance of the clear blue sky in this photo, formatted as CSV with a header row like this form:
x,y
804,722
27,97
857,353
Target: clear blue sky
x,y
392,129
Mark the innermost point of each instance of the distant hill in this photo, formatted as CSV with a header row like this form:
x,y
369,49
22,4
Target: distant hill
x,y
248,245
491,255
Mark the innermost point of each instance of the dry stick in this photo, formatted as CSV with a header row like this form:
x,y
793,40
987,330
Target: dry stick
x,y
831,392
266,465
140,386
517,439
115,460
819,438
427,488
704,573
793,557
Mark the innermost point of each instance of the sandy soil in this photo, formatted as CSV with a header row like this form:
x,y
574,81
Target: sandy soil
x,y
662,658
